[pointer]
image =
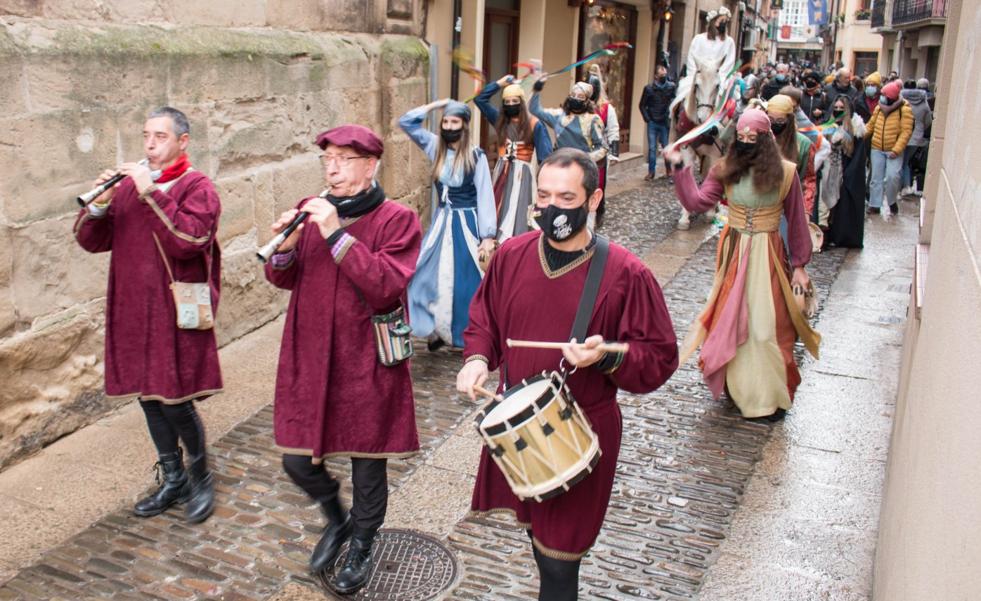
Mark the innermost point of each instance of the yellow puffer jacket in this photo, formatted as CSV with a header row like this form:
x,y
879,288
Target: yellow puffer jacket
x,y
892,131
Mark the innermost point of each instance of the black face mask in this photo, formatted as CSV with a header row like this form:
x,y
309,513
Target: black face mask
x,y
745,149
512,110
777,128
724,27
451,135
838,114
561,224
811,84
576,105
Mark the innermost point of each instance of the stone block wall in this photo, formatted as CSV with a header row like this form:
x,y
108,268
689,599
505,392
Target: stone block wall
x,y
258,80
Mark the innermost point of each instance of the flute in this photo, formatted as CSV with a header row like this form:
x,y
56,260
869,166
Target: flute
x,y
273,245
86,199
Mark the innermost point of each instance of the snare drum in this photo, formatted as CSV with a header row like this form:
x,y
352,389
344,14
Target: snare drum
x,y
539,437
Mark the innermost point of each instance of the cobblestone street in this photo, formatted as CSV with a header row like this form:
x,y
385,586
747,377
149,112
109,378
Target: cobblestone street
x,y
685,463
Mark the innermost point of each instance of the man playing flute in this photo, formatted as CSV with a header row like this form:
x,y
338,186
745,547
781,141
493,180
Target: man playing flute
x,y
159,232
348,268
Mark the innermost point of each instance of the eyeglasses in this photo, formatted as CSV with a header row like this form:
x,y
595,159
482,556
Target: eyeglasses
x,y
340,160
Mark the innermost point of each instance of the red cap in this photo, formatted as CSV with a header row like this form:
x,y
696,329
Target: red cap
x,y
892,89
357,137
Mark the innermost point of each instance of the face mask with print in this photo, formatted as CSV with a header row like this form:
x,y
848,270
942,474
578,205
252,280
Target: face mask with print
x,y
561,224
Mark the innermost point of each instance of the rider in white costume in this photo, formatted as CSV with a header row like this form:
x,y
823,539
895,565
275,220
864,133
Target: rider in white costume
x,y
709,47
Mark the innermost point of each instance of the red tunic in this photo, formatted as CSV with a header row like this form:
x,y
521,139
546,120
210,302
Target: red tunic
x,y
517,299
333,396
146,354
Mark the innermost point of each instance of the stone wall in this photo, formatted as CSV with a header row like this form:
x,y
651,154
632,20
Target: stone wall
x,y
72,103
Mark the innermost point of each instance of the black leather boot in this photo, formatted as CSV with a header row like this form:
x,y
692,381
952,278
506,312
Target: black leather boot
x,y
174,486
337,531
357,564
202,500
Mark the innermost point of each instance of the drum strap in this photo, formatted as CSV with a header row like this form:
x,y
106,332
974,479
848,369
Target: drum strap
x,y
591,290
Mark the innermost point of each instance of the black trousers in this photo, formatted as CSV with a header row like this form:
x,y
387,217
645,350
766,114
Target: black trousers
x,y
559,579
168,423
368,475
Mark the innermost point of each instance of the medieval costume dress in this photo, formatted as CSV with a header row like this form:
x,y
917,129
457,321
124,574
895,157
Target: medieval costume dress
x,y
514,178
147,355
333,396
448,271
629,307
583,131
846,177
749,325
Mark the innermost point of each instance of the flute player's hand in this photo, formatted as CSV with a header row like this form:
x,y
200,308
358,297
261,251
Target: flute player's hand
x,y
285,219
106,197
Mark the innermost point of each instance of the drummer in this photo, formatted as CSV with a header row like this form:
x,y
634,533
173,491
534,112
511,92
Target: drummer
x,y
553,263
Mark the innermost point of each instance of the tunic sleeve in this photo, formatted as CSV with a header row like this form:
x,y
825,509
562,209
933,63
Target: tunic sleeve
x,y
544,116
798,236
543,143
486,209
482,338
411,123
185,228
382,275
281,270
646,326
483,102
693,198
94,234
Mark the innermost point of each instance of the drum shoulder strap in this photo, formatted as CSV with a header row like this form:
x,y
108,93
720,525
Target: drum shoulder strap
x,y
591,290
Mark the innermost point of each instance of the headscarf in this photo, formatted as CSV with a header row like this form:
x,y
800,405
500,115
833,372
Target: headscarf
x,y
456,108
753,119
513,91
585,88
780,104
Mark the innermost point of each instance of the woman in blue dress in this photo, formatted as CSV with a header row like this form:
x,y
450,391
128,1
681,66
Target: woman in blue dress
x,y
464,225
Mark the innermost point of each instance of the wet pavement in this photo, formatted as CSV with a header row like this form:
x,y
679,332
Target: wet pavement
x,y
685,465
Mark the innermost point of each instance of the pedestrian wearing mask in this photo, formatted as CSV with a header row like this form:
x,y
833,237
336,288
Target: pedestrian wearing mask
x,y
654,103
843,179
751,322
779,80
464,225
915,155
889,130
873,91
813,100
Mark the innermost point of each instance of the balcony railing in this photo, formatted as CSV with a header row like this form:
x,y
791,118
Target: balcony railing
x,y
905,12
878,13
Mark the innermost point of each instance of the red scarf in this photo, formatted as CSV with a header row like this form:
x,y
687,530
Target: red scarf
x,y
180,166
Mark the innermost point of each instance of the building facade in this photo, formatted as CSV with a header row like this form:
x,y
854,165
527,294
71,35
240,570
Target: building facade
x,y
856,46
912,32
797,40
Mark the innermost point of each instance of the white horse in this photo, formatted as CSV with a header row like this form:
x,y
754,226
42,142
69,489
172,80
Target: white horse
x,y
696,102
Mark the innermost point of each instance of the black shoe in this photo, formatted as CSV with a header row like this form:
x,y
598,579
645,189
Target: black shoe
x,y
894,208
337,531
435,344
174,487
873,210
202,501
776,416
357,564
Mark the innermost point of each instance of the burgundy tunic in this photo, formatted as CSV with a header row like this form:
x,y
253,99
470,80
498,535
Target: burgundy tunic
x,y
146,354
333,396
517,299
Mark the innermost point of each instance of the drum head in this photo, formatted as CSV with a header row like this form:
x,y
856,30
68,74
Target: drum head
x,y
517,400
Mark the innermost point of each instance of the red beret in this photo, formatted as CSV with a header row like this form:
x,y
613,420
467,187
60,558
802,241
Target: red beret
x,y
357,137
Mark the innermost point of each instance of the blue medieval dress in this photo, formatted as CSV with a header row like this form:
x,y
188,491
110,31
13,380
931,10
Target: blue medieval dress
x,y
447,274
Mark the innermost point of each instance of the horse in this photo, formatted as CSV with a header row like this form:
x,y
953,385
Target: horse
x,y
692,106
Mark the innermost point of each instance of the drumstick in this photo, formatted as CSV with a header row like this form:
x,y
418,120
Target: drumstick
x,y
487,393
606,347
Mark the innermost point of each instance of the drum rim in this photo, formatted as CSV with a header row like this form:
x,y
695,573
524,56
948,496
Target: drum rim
x,y
525,414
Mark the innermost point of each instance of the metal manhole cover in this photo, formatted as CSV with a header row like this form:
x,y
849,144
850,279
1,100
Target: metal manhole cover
x,y
408,566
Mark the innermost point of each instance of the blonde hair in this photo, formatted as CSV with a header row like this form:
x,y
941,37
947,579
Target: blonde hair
x,y
464,159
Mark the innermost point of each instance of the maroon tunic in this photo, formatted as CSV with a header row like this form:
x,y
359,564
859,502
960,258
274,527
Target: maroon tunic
x,y
146,354
333,396
629,308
